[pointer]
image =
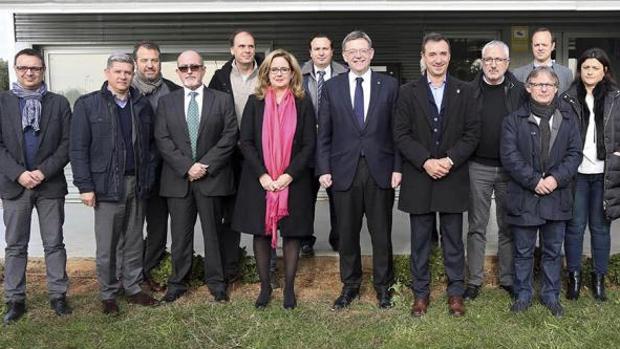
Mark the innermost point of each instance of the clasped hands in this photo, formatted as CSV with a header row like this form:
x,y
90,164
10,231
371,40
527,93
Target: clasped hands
x,y
546,185
283,181
197,171
31,179
326,180
437,168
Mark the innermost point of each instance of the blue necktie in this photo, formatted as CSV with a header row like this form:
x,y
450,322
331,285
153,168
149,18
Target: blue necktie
x,y
193,122
319,90
358,102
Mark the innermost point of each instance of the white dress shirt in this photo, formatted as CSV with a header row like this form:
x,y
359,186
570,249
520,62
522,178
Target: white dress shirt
x,y
327,70
590,164
200,91
365,87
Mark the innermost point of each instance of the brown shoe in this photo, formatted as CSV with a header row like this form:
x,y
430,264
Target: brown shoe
x,y
154,286
419,307
109,307
142,298
457,308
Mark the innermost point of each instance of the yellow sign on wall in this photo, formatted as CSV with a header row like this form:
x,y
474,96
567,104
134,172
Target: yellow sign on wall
x,y
520,39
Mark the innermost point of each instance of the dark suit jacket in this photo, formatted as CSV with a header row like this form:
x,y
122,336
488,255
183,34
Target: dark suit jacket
x,y
341,140
53,153
217,138
420,193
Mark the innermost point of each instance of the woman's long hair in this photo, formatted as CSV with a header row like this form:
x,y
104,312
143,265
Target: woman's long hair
x,y
296,84
609,80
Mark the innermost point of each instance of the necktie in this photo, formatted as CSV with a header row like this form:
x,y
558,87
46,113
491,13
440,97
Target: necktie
x,y
319,90
193,121
545,138
358,102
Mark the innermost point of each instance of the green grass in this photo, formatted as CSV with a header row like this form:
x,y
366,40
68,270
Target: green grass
x,y
198,323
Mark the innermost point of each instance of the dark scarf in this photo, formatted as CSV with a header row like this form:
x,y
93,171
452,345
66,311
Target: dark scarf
x,y
31,113
146,87
544,112
599,117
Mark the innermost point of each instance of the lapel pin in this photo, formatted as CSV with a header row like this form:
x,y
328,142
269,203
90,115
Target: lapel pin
x,y
458,90
378,82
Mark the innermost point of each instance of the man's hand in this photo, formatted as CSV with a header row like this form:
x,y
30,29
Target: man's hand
x,y
397,177
38,175
267,183
88,199
326,180
283,181
28,180
197,171
546,186
436,168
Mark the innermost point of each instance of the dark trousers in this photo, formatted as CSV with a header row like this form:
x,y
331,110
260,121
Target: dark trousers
x,y
552,236
588,210
183,212
451,229
230,238
156,213
333,235
365,197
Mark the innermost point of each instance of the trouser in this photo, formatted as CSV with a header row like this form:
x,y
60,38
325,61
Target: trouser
x,y
588,210
365,197
115,221
552,236
17,220
156,231
451,231
229,238
483,181
333,235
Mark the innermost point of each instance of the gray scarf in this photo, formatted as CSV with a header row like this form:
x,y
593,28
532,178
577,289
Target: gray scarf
x,y
31,113
146,87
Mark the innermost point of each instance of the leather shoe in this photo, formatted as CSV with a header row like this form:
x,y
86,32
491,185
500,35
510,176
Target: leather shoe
x,y
110,307
520,306
573,285
510,289
154,286
307,250
419,307
385,299
598,287
555,308
220,296
346,297
456,306
264,297
471,292
60,306
172,296
14,311
334,244
141,298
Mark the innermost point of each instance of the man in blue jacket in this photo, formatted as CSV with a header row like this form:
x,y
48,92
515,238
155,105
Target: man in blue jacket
x,y
113,160
541,150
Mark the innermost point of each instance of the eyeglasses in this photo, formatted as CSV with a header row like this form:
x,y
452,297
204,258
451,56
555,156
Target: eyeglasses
x,y
23,69
361,52
276,70
541,85
491,60
191,67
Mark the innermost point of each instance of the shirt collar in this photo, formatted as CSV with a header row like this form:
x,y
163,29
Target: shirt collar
x,y
443,83
120,102
327,70
484,79
199,90
365,76
548,64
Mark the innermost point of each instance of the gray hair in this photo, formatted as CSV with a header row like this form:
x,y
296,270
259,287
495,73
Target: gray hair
x,y
354,35
120,57
543,70
496,43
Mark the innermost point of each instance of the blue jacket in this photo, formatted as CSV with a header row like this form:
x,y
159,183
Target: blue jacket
x,y
520,155
97,148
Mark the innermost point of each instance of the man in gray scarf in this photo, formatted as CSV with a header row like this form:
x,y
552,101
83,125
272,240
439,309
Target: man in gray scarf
x,y
32,176
153,86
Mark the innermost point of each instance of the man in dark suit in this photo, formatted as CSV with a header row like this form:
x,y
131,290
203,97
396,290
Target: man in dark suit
x,y
357,159
196,133
34,149
436,130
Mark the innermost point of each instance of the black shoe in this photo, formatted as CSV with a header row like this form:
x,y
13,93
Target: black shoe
x,y
14,311
510,289
110,307
520,306
220,296
471,292
555,308
598,287
290,301
346,297
60,306
172,296
334,244
307,250
385,299
573,285
263,297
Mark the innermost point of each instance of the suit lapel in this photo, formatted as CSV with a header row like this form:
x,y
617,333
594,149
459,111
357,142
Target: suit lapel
x,y
207,106
46,114
451,96
179,116
421,95
376,85
346,96
16,119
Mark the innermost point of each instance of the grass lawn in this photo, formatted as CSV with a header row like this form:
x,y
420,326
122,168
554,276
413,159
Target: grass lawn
x,y
196,322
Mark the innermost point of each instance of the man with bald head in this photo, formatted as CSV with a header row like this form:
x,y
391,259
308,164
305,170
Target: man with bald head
x,y
196,133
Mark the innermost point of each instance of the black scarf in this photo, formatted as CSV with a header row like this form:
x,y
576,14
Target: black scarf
x,y
544,112
599,118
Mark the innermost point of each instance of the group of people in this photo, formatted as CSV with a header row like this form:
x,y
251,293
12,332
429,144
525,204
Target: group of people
x,y
245,155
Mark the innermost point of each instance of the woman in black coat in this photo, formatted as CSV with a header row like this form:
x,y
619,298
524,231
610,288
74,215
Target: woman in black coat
x,y
280,118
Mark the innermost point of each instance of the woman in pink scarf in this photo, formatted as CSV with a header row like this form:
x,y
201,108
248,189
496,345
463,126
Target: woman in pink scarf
x,y
277,140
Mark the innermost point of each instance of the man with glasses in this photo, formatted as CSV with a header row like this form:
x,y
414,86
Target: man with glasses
x,y
496,93
32,176
196,133
543,44
358,160
436,129
152,86
541,151
113,162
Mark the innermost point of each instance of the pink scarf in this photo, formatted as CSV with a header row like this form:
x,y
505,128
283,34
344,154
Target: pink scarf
x,y
279,124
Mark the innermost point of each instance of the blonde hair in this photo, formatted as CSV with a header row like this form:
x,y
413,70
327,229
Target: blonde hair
x,y
296,84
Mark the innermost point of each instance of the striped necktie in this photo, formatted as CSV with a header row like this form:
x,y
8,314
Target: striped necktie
x,y
319,90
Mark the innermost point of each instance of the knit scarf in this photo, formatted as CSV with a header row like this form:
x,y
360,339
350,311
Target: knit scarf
x,y
599,110
31,113
279,124
146,87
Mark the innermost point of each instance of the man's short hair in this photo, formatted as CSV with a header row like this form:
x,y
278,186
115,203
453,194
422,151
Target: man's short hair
x,y
149,45
29,52
435,37
320,35
234,34
496,43
354,35
543,69
542,30
120,57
